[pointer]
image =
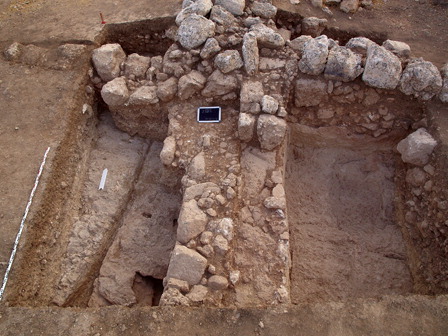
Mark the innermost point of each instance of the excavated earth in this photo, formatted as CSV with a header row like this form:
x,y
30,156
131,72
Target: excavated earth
x,y
296,213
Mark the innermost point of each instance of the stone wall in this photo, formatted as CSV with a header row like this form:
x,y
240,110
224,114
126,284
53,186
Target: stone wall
x,y
232,238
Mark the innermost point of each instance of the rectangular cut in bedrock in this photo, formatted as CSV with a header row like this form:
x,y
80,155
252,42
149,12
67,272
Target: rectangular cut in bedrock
x,y
345,242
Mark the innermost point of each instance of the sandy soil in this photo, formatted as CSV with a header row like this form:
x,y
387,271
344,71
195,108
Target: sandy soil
x,y
344,240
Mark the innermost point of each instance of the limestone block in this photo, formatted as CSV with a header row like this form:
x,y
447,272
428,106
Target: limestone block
x,y
421,79
383,69
271,131
194,31
417,147
115,92
191,222
107,60
314,56
187,265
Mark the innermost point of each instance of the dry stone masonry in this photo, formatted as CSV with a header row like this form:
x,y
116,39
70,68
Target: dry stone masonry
x,y
232,237
232,240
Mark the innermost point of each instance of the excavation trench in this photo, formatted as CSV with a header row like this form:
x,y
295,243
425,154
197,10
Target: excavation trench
x,y
122,239
345,240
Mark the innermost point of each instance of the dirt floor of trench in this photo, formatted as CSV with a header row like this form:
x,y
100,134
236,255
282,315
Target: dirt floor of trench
x,y
345,241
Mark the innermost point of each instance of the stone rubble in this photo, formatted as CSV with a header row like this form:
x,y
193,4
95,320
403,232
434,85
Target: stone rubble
x,y
417,147
239,56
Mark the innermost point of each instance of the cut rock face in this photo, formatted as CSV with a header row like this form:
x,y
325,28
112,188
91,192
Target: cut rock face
x,y
417,147
421,79
383,69
194,31
107,60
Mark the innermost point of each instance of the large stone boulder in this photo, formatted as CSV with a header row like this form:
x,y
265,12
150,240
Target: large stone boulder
x,y
250,53
168,150
228,61
167,90
417,147
190,84
359,45
314,56
187,265
313,26
349,6
13,52
443,96
400,49
298,44
269,104
383,69
421,79
343,65
250,96
199,7
219,84
310,92
115,92
196,169
222,17
246,126
107,60
136,66
267,37
263,9
192,221
211,47
144,95
194,31
271,131
236,7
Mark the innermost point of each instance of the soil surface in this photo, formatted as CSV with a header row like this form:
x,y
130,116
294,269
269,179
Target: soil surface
x,y
345,242
417,315
421,24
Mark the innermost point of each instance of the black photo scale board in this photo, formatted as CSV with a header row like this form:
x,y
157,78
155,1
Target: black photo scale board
x,y
211,114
